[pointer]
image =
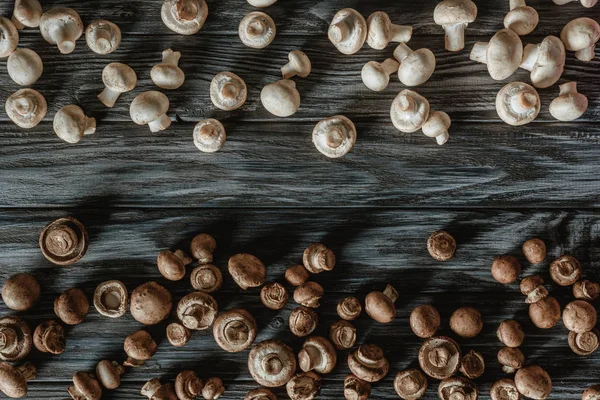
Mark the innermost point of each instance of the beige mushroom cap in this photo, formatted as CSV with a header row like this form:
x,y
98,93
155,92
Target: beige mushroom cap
x,y
502,54
27,13
521,18
168,75
317,354
185,17
281,98
235,330
348,31
416,67
454,16
111,298
335,136
437,126
299,65
381,31
24,67
103,37
70,124
257,30
61,26
585,3
409,111
9,37
570,104
117,78
376,76
262,3
26,108
197,310
209,135
151,108
581,35
271,363
228,91
518,103
546,61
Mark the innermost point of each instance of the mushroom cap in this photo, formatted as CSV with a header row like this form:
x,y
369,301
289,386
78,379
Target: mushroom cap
x,y
296,275
64,241
154,390
185,17
61,22
545,313
178,335
9,37
504,389
273,296
531,283
534,250
591,393
410,384
417,67
281,98
441,245
506,269
580,316
72,306
103,37
569,106
213,388
584,344
380,307
26,108
466,322
522,20
518,103
348,31
472,365
12,383
304,386
374,76
504,54
24,67
20,292
70,123
437,126
303,321
172,265
356,389
187,385
260,394
368,363
109,373
550,62
15,338
349,308
28,12
140,346
86,386
49,337
342,334
202,248
586,290
580,33
197,310
453,12
318,258
167,76
425,321
533,382
271,363
335,136
148,107
409,111
565,270
510,333
317,354
379,30
206,278
257,30
228,91
119,77
150,303
111,298
209,135
299,63
439,357
457,387
235,330
247,270
262,3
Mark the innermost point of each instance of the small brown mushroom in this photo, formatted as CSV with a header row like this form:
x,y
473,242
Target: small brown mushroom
x,y
380,305
586,290
185,17
592,392
318,354
356,389
197,311
410,384
247,270
342,334
71,124
472,365
457,388
466,322
349,308
454,16
228,91
565,270
139,347
545,313
235,330
441,245
206,278
103,37
425,321
202,248
533,382
304,386
273,296
382,32
150,303
213,388
20,292
308,294
368,363
167,74
534,250
26,108
504,389
154,390
172,264
61,26
303,321
72,306
25,67
150,108
317,258
49,337
111,298
533,287
260,394
15,339
13,380
296,275
580,316
510,333
584,344
257,30
271,363
178,335
188,386
109,373
348,31
506,269
27,13
117,78
9,37
64,241
439,357
85,386
511,359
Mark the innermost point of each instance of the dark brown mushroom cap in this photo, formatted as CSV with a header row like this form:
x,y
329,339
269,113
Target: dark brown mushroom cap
x,y
304,386
472,365
349,308
202,248
410,384
533,382
85,386
273,296
368,363
296,275
510,333
380,305
154,390
64,241
213,388
466,322
580,316
533,287
235,330
188,386
72,306
586,290
178,335
308,294
534,250
584,344
20,292
441,245
140,347
439,357
150,303
342,334
260,394
457,388
197,310
247,270
565,270
49,337
15,339
109,373
506,269
504,389
303,321
206,278
172,264
425,321
511,359
271,363
111,298
318,258
545,313
13,381
317,354
356,389
591,393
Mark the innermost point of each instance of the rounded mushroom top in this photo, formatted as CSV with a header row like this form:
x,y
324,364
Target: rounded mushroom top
x,y
273,296
197,310
348,31
376,76
368,363
153,389
425,321
381,31
139,347
15,339
271,363
349,308
580,34
533,382
586,290
262,3
584,344
235,330
25,67
304,386
150,303
13,380
187,385
296,275
534,250
103,37
260,394
504,54
148,106
466,322
591,393
71,124
299,64
49,337
308,294
178,335
380,305
510,333
342,334
441,245
565,270
257,30
317,354
580,316
119,77
27,13
506,269
455,12
20,292
202,248
546,61
303,321
410,384
281,98
416,67
457,388
569,105
335,136
206,278
518,103
247,270
111,298
172,264
472,365
213,388
72,306
9,37
109,373
86,386
318,258
409,111
185,17
167,74
209,135
228,91
61,26
545,313
522,20
437,126
533,287
504,389
356,389
64,241
439,357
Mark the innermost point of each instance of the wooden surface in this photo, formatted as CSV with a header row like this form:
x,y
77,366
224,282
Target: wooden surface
x,y
270,193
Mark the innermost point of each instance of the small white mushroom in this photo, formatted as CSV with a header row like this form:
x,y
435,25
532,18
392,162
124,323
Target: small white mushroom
x,y
228,91
26,108
70,124
9,37
151,108
24,67
409,111
209,135
257,30
437,126
521,19
299,65
570,104
103,37
416,67
581,36
454,16
381,31
348,31
546,61
518,103
502,54
27,13
61,26
281,98
334,137
168,75
376,76
262,3
585,3
118,78
185,17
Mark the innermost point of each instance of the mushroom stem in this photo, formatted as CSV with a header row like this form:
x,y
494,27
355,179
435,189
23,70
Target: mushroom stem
x,y
479,52
27,371
150,387
256,28
65,45
391,293
516,4
171,57
401,52
17,23
523,102
288,71
508,370
407,103
567,88
186,10
24,105
455,36
401,33
340,31
182,256
103,39
530,55
90,126
390,66
162,123
586,55
109,97
308,358
8,339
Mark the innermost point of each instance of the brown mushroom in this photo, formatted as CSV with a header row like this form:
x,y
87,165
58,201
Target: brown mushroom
x,y
318,354
188,386
308,294
565,270
260,394
317,258
591,393
235,330
584,344
368,363
534,250
296,275
349,309
151,303
441,245
213,388
510,333
425,321
139,347
273,296
457,388
439,357
342,334
356,389
247,270
506,269
197,311
202,248
109,373
380,305
206,278
85,386
15,339
111,298
533,382
64,241
466,322
49,337
178,335
545,313
13,380
172,264
533,287
410,384
586,290
271,363
472,365
504,389
154,390
304,386
303,321
580,316
511,359
72,306
20,292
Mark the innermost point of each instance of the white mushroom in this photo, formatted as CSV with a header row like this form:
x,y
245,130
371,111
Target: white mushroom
x,y
376,76
454,16
103,37
27,13
580,36
299,65
546,61
185,17
437,126
61,26
334,137
262,3
257,30
416,67
24,67
209,135
168,75
381,31
151,108
502,54
348,31
518,103
409,111
70,124
26,108
281,98
118,78
521,19
585,3
228,91
9,37
570,104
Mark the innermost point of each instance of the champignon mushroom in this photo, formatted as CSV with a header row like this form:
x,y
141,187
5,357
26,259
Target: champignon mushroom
x,y
356,389
151,108
13,380
299,65
154,390
591,393
504,389
72,306
380,305
534,250
172,264
247,270
510,333
24,66
533,382
511,359
202,248
168,75
457,388
197,311
27,13
454,16
439,357
235,330
109,373
209,135
111,298
117,78
368,363
472,365
342,334
318,258
502,54
26,108
416,67
303,321
139,347
584,344
85,386
425,321
533,287
376,76
187,385
304,386
349,308
410,384
466,322
586,290
178,335
409,111
381,31
348,31
565,270
296,275
103,37
546,61
281,98
437,126
506,269
273,296
257,30
585,3
185,17
545,313
570,104
213,389
260,394
49,337
334,137
9,37
441,245
521,18
317,354
206,278
64,241
228,91
61,26
271,363
150,303
580,35
20,292
262,3
15,339
580,316
71,124
518,103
